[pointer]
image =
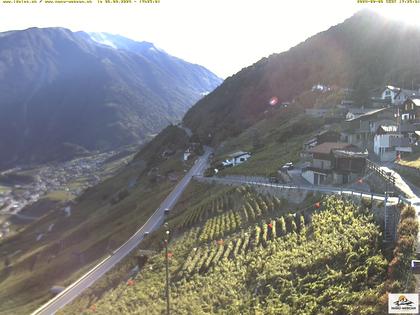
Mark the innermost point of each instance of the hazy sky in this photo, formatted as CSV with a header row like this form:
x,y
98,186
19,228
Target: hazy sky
x,y
222,35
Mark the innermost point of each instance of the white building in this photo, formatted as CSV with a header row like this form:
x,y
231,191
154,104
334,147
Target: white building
x,y
237,158
187,154
397,96
388,142
389,93
321,88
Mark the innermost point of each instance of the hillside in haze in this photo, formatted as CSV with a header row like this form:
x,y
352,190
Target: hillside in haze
x,y
366,51
62,92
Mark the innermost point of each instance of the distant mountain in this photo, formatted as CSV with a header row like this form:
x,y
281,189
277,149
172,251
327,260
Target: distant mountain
x,y
366,51
61,90
193,75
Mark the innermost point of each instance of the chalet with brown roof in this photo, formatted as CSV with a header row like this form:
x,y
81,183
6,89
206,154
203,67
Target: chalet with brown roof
x,y
410,110
334,162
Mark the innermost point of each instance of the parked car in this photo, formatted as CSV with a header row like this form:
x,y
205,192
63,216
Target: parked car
x,y
166,212
227,163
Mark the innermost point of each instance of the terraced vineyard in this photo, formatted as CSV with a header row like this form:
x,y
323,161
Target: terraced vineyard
x,y
244,200
206,257
240,253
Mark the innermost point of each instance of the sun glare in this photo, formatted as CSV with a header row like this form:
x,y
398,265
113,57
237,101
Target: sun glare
x,y
408,13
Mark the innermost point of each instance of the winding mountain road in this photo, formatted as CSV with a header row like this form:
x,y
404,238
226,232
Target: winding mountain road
x,y
75,289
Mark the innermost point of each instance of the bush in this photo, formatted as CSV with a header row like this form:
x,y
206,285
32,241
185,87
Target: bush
x,y
408,227
407,212
399,268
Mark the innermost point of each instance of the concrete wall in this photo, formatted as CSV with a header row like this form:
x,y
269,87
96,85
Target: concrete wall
x,y
380,141
309,176
381,144
376,183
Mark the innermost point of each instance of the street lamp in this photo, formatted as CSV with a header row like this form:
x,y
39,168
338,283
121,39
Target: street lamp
x,y
167,232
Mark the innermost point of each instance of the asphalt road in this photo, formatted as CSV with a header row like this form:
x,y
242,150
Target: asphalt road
x,y
75,289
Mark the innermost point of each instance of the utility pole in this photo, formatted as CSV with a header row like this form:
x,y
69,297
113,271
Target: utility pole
x,y
167,266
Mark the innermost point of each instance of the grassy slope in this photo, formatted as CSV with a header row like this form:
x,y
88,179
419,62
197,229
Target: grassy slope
x,y
96,226
412,160
4,189
273,141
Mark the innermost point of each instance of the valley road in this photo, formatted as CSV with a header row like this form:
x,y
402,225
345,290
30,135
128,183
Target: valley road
x,y
75,289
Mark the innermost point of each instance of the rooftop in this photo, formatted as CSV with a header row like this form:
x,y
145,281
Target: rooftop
x,y
393,88
327,147
370,113
239,153
409,92
350,154
387,129
416,101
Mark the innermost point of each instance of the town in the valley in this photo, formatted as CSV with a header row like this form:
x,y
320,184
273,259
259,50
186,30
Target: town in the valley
x,y
62,181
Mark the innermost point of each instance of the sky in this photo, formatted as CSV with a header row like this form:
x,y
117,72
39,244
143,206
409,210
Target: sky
x,y
222,35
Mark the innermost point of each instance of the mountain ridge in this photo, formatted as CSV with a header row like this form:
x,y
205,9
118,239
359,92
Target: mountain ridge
x,y
63,87
363,52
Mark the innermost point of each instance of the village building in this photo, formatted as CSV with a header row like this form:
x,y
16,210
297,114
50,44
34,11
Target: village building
x,y
187,154
410,131
388,142
321,137
410,110
356,112
334,163
397,96
236,158
404,95
320,88
361,130
389,93
348,165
